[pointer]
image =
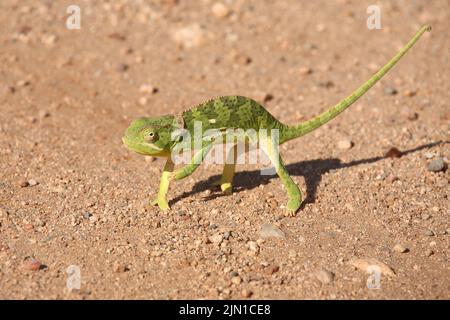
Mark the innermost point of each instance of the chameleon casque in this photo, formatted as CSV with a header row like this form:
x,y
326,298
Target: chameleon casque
x,y
155,136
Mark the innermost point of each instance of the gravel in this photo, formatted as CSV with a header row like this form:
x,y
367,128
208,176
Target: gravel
x,y
436,165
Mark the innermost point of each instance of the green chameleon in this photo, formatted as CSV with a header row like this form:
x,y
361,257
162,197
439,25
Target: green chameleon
x,y
155,136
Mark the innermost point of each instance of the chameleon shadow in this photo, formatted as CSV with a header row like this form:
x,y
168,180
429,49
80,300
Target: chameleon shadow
x,y
311,170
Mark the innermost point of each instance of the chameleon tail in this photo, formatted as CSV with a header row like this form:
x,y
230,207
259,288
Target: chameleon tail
x,y
295,131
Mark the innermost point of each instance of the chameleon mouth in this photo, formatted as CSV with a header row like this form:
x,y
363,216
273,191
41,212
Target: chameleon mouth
x,y
140,147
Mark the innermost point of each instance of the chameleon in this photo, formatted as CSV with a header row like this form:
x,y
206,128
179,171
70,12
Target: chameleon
x,y
155,136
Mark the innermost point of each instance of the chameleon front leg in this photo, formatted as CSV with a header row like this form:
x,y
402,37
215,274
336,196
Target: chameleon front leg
x,y
196,160
294,194
169,173
161,199
226,180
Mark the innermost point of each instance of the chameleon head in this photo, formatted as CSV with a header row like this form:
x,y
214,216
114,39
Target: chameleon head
x,y
150,136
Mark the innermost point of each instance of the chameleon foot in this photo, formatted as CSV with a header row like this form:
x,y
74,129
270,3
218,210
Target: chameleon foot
x,y
293,206
227,188
161,203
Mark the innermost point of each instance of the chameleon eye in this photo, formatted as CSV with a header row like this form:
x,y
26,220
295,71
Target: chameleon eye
x,y
152,136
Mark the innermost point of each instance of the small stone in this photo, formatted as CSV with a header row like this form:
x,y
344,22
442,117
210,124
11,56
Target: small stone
x,y
270,231
429,155
24,184
122,67
3,213
120,268
87,215
191,36
367,265
32,183
400,248
49,39
323,275
220,10
43,114
23,83
429,252
216,238
436,165
305,71
345,144
236,280
425,216
243,59
410,93
31,264
149,159
143,101
148,89
390,91
393,153
253,246
410,115
267,97
429,233
245,293
271,269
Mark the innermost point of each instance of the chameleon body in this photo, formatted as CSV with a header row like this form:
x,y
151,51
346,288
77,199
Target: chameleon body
x,y
155,136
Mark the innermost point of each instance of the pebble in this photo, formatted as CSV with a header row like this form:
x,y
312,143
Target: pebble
x,y
271,231
3,212
365,264
43,114
32,183
323,275
345,144
271,269
390,90
267,97
429,233
400,248
436,165
120,268
148,89
122,67
143,101
253,246
190,36
87,215
236,280
305,71
410,93
220,10
245,293
31,264
49,39
216,238
393,153
24,184
243,59
429,252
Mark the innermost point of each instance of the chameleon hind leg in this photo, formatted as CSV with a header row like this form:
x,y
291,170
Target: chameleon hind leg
x,y
226,180
294,194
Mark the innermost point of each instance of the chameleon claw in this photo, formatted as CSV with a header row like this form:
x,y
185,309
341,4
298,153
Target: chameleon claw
x,y
293,206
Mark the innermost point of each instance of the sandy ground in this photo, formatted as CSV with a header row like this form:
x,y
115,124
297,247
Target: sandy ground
x,y
72,195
